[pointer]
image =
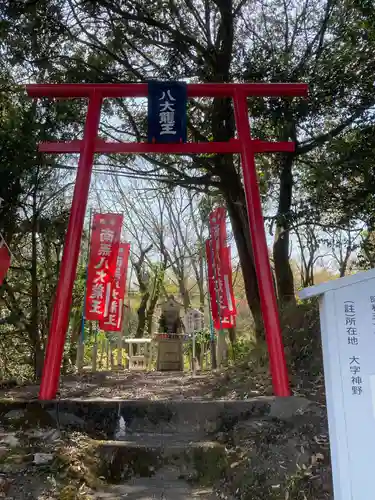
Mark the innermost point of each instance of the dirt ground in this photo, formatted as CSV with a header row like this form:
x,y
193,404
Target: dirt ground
x,y
226,384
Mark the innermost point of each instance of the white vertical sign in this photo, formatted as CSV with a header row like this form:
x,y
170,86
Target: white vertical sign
x,y
347,314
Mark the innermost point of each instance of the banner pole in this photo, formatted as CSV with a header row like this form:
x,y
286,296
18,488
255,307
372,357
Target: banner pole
x,y
81,338
212,329
217,297
86,274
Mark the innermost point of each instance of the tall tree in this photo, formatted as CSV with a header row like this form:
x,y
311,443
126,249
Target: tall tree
x,y
216,41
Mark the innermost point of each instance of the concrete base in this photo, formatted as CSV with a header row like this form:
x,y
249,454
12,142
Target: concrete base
x,y
170,354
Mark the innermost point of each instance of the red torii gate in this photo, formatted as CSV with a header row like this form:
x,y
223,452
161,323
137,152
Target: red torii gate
x,y
91,144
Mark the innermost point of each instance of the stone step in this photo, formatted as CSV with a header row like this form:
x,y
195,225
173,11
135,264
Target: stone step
x,y
144,455
152,450
102,418
152,439
162,486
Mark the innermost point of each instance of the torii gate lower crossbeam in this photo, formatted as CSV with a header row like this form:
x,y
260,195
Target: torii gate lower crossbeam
x,y
91,144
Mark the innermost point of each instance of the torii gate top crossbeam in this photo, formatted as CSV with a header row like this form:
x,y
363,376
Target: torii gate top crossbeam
x,y
72,90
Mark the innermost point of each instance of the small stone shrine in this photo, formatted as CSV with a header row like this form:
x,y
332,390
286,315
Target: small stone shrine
x,y
170,337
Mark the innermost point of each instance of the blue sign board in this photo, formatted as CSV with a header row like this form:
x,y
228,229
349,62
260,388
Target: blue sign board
x,y
167,112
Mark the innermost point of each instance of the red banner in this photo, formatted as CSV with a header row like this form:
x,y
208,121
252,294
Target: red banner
x,y
228,280
220,320
105,241
220,272
113,322
218,229
4,260
228,321
219,256
211,282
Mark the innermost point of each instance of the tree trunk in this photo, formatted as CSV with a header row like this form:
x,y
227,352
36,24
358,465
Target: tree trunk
x,y
283,271
101,360
74,349
95,357
34,317
80,354
158,282
232,334
223,130
107,352
141,312
184,294
213,353
237,212
200,275
222,348
75,325
143,280
198,353
38,361
150,314
119,350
